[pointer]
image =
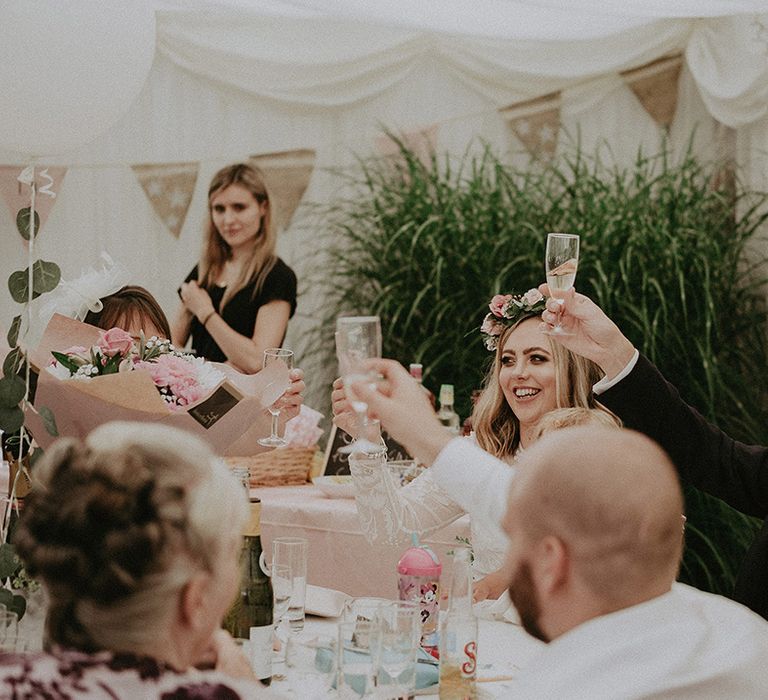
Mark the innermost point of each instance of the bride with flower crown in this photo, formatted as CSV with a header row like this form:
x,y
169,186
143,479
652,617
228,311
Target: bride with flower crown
x,y
530,376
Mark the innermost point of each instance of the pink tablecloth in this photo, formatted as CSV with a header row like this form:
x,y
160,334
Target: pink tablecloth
x,y
339,555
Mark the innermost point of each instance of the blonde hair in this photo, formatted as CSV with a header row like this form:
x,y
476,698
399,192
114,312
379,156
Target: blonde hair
x,y
116,526
216,250
497,429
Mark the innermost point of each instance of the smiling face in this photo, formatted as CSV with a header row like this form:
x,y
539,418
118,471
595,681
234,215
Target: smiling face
x,y
527,374
237,216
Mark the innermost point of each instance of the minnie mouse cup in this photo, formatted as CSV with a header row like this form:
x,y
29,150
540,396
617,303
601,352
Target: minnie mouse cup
x,y
419,582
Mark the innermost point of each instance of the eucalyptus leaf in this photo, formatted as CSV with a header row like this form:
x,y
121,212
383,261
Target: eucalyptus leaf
x,y
13,333
45,278
12,390
49,420
23,223
9,563
18,605
11,419
13,362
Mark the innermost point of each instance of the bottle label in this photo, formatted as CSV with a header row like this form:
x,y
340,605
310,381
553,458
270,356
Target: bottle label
x,y
261,651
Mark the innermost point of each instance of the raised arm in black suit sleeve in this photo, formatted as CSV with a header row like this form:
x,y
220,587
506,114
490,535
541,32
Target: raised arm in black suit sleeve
x,y
704,455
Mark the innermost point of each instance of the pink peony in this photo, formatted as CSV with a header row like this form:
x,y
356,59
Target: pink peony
x,y
177,375
532,297
491,326
115,341
498,303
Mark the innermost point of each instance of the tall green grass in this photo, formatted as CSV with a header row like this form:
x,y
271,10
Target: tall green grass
x,y
662,251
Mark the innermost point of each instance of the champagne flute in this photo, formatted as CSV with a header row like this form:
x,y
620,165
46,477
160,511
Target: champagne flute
x,y
271,356
562,261
358,338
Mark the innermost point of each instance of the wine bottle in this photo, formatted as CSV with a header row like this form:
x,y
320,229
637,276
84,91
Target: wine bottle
x,y
417,372
448,417
250,617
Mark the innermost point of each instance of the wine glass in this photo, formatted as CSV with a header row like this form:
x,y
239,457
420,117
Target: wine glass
x,y
271,356
358,338
396,647
562,261
311,662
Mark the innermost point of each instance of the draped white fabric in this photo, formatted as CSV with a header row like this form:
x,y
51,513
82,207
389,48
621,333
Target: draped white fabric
x,y
238,77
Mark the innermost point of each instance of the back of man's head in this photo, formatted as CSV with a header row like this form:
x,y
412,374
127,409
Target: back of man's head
x,y
612,498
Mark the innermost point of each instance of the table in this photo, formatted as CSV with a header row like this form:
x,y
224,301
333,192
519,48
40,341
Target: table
x,y
339,555
503,649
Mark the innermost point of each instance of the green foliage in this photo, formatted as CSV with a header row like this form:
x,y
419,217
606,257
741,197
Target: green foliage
x,y
662,251
45,278
23,223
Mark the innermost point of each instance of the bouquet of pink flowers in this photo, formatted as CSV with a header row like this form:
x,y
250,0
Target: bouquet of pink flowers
x,y
181,378
109,375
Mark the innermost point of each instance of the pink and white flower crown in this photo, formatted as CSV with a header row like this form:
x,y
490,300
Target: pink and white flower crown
x,y
506,309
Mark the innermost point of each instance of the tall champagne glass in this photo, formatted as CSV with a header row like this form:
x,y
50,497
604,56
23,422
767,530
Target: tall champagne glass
x,y
562,261
358,338
271,356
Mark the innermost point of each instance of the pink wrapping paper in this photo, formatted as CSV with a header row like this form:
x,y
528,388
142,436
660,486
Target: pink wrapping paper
x,y
231,417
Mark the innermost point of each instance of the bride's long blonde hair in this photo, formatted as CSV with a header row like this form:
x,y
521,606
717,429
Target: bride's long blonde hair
x,y
497,428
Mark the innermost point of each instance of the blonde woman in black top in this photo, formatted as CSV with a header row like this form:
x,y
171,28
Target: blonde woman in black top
x,y
238,299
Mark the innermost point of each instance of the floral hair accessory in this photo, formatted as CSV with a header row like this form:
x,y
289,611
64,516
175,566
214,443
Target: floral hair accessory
x,y
506,309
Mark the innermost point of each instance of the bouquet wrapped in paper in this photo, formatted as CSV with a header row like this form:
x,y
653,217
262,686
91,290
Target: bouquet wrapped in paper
x,y
87,376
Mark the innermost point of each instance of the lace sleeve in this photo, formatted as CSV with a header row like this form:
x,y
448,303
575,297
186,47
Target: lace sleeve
x,y
389,513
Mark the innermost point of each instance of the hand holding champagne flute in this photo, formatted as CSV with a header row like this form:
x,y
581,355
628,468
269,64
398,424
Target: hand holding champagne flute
x,y
562,261
358,338
285,356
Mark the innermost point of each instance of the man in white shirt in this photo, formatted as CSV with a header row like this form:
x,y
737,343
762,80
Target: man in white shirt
x,y
593,517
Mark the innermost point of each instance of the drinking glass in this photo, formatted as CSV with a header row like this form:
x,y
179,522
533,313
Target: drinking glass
x,y
397,643
562,261
357,663
291,552
282,587
311,663
271,356
358,338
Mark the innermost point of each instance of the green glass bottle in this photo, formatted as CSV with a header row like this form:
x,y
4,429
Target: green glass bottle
x,y
249,620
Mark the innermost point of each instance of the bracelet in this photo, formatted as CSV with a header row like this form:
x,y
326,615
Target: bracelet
x,y
208,317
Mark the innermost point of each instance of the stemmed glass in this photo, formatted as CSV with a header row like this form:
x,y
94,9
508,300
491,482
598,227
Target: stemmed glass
x,y
562,261
271,356
358,338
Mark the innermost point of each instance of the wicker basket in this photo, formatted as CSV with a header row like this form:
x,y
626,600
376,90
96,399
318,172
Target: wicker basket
x,y
282,467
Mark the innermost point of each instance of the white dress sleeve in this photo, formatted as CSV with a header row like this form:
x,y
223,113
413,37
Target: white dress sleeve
x,y
389,513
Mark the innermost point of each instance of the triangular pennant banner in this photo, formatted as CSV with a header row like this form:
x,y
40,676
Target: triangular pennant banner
x,y
422,143
287,177
169,188
16,194
536,124
655,85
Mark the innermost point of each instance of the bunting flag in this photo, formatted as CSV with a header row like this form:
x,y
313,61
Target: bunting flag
x,y
655,86
422,143
17,194
287,177
536,124
169,188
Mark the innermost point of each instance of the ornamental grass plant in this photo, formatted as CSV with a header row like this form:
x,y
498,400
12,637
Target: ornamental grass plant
x,y
668,253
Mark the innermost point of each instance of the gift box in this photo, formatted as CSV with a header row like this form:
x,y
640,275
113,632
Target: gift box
x,y
231,417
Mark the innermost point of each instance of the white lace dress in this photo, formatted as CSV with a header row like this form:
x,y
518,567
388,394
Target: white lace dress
x,y
389,513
